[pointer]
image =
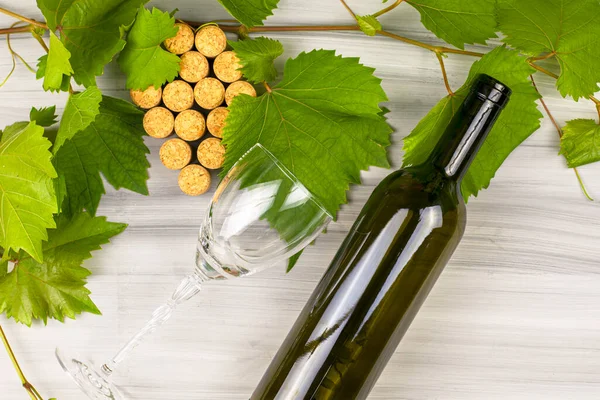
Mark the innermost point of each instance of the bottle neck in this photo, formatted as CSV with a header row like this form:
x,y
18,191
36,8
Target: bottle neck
x,y
464,136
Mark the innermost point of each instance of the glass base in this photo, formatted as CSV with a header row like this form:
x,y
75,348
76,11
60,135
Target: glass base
x,y
90,379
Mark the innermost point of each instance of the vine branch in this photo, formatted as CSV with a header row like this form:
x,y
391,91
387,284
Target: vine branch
x,y
347,7
560,134
33,393
440,58
387,9
23,18
266,85
597,103
22,29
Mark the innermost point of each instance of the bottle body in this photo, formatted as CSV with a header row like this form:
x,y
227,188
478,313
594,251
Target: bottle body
x,y
390,260
371,292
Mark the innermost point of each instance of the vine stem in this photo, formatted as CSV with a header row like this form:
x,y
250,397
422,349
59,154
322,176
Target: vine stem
x,y
266,85
541,69
41,42
440,58
597,102
299,28
387,9
560,134
22,29
347,7
33,393
23,18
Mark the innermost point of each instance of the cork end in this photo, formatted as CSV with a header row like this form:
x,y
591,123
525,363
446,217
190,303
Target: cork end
x,y
227,67
182,42
215,121
158,122
237,88
175,154
194,67
211,41
146,98
194,180
190,125
211,153
209,93
178,96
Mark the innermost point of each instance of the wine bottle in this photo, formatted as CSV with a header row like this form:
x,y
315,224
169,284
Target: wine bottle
x,y
385,268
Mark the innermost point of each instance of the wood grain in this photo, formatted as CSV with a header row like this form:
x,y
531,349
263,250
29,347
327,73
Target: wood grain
x,y
516,315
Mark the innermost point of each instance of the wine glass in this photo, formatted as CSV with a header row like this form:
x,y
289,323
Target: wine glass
x,y
260,215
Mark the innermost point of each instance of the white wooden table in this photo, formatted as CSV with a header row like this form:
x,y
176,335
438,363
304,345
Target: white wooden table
x,y
516,315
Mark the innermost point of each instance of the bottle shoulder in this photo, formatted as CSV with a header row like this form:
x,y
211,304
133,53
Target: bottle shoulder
x,y
420,187
407,193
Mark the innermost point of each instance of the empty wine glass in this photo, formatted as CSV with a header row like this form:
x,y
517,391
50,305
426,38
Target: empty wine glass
x,y
260,216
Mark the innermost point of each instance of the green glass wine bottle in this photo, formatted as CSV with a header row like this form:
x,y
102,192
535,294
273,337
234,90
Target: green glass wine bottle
x,y
384,270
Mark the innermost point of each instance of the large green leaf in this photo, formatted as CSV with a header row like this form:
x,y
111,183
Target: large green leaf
x,y
56,288
580,143
257,57
458,21
250,12
517,122
322,122
143,59
81,110
27,198
569,29
91,31
112,145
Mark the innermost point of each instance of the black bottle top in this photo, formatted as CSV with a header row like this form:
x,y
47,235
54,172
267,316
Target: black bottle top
x,y
469,127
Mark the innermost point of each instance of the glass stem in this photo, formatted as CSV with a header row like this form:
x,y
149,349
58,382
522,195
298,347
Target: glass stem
x,y
188,288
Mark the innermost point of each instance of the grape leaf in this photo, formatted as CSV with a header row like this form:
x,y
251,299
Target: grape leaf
x,y
143,59
580,143
250,12
369,24
458,21
27,198
91,31
257,57
112,145
57,64
41,73
56,288
569,29
45,116
517,122
321,121
81,110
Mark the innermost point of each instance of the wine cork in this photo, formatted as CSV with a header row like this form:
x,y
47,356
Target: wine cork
x,y
209,93
194,180
178,96
182,42
190,125
146,98
227,66
211,41
237,88
194,66
175,154
158,122
215,122
211,153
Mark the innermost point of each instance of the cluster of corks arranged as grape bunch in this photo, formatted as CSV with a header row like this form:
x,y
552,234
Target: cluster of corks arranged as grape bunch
x,y
193,104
